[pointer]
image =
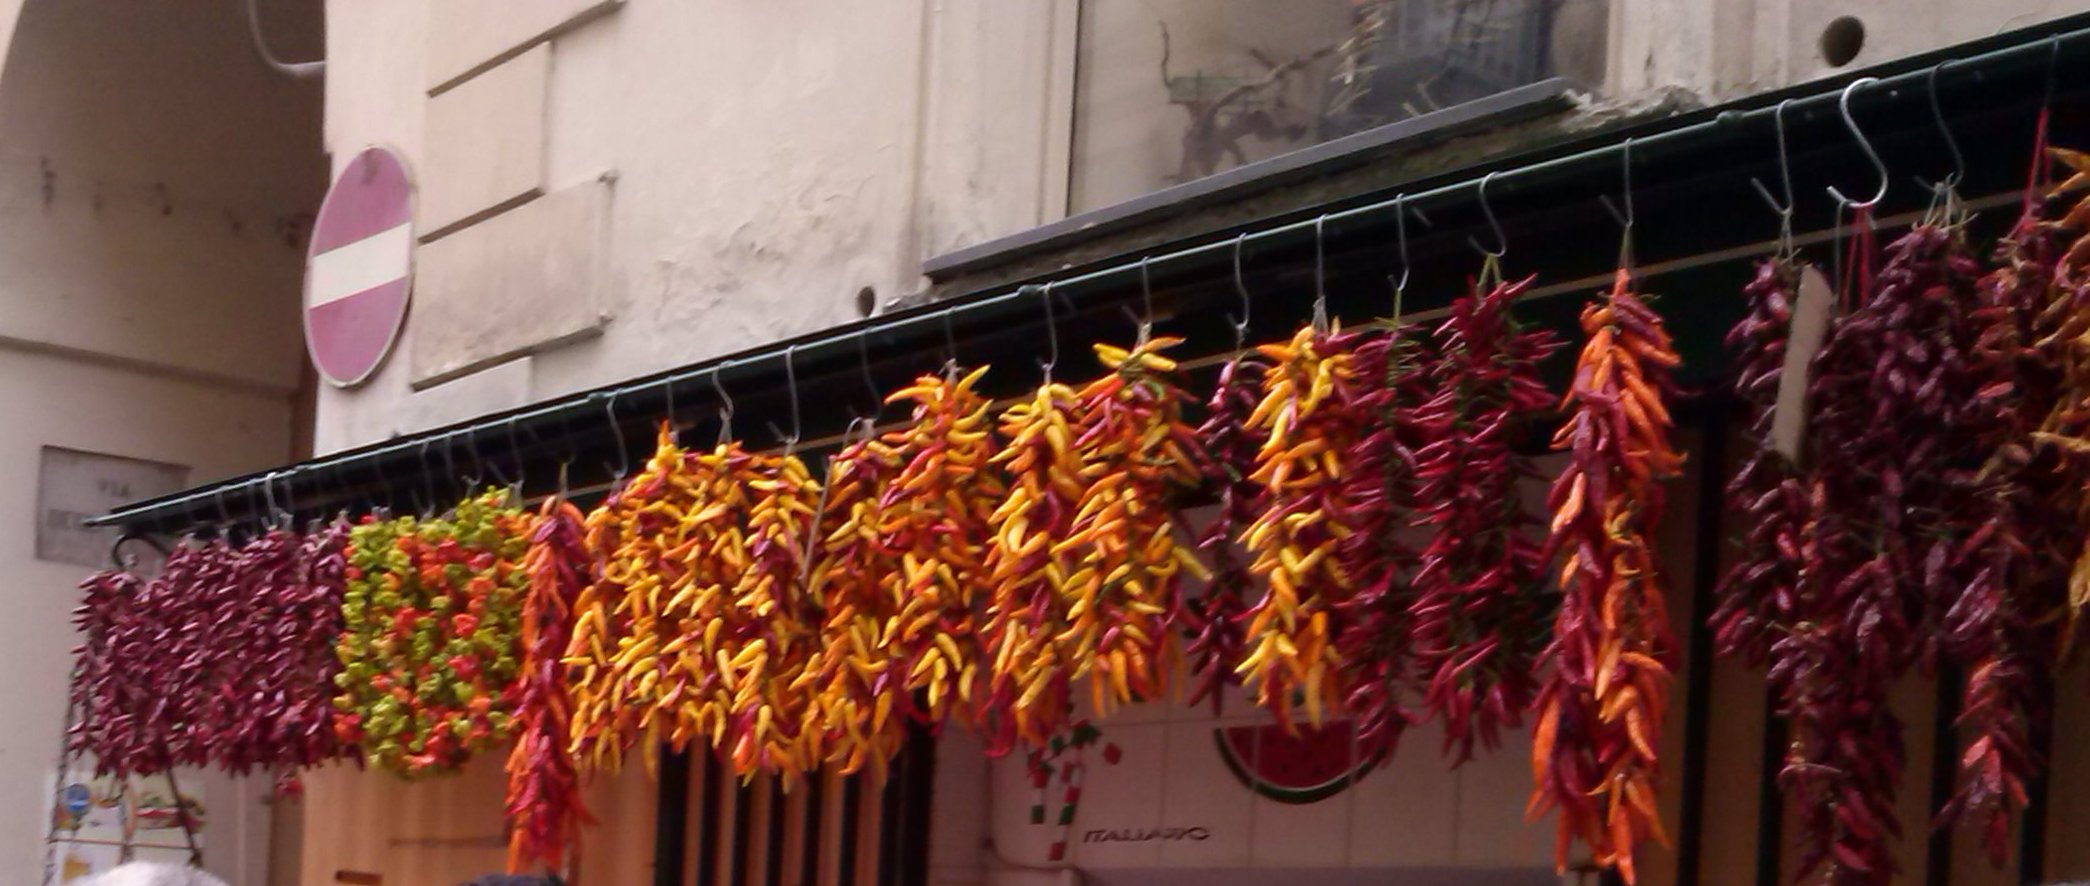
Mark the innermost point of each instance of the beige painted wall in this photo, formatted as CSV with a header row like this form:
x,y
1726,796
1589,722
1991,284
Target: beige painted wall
x,y
695,185
152,175
1727,49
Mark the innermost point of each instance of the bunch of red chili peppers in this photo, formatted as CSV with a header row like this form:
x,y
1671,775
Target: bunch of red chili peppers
x,y
1934,516
170,667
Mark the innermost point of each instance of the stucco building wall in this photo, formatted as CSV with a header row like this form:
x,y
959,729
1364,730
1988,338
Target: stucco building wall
x,y
155,181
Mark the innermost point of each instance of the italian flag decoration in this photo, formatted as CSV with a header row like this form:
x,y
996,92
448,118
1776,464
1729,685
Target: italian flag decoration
x,y
1067,757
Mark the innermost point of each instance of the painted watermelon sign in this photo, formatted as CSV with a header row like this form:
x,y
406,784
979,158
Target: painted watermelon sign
x,y
359,268
1306,766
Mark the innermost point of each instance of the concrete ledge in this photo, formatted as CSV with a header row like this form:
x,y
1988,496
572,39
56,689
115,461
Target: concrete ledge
x,y
468,37
522,282
484,149
1521,103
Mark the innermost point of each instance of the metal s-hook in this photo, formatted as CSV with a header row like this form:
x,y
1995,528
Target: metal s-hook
x,y
667,390
791,386
493,465
1783,210
623,465
1400,227
427,507
290,504
273,515
1951,181
2053,70
1146,292
1240,286
1488,211
1052,335
1491,259
450,471
116,557
1320,317
1623,218
224,515
725,409
1843,105
863,359
471,448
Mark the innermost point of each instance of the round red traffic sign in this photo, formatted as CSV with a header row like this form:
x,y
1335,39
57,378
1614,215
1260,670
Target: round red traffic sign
x,y
359,268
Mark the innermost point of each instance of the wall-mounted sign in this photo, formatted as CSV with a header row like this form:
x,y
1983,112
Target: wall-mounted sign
x,y
359,268
72,485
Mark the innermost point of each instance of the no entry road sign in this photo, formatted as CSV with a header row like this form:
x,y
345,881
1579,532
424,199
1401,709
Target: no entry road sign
x,y
359,268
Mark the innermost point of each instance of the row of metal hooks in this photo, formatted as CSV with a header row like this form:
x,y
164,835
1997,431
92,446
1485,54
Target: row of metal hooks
x,y
274,488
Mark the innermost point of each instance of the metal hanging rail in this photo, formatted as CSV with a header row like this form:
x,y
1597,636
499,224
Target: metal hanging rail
x,y
770,364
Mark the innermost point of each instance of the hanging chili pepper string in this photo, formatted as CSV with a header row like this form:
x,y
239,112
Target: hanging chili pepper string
x,y
172,667
1600,713
1307,414
1380,491
857,680
1215,617
544,805
706,630
1998,627
1028,680
625,689
1887,408
939,509
775,623
1756,597
1480,595
430,654
1135,452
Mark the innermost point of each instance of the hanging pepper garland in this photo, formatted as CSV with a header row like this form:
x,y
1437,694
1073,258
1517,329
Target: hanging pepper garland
x,y
1230,450
1379,491
1768,495
938,519
114,697
258,577
1888,402
1135,453
545,811
429,655
2000,627
1480,596
172,668
2065,344
764,625
1309,420
1600,712
176,635
703,644
855,679
626,691
306,624
1028,680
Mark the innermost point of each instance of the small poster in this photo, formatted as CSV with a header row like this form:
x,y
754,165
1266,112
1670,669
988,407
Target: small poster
x,y
72,486
97,818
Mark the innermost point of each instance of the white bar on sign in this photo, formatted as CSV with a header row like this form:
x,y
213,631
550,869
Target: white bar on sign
x,y
364,264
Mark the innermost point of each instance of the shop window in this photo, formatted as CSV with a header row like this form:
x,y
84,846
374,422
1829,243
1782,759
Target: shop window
x,y
1169,91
